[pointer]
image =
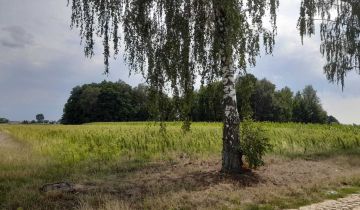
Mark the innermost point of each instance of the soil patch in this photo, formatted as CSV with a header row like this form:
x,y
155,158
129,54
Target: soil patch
x,y
8,142
200,184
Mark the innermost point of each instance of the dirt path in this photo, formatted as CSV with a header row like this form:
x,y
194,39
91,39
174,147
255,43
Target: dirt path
x,y
351,202
2,137
7,142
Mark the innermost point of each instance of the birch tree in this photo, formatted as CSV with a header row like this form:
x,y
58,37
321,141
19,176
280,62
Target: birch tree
x,y
339,31
172,41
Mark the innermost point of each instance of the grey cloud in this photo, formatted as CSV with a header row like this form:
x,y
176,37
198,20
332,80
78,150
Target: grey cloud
x,y
16,37
27,89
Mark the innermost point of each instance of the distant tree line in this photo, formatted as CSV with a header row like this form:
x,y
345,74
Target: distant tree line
x,y
40,119
258,99
36,122
106,102
3,120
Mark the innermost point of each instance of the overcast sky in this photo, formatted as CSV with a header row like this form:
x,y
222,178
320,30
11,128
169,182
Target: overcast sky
x,y
41,60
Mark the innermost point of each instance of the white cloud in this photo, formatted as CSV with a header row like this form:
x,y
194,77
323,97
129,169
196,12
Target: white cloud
x,y
345,109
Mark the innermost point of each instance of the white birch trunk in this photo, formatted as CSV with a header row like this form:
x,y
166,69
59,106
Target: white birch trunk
x,y
231,154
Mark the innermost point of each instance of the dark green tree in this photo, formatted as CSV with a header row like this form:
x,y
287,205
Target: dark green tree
x,y
114,102
40,118
245,88
106,102
172,41
3,120
88,102
263,100
307,107
208,102
73,113
339,31
283,105
313,109
141,102
332,120
298,108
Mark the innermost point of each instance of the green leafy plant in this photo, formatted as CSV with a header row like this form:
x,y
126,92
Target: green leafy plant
x,y
254,143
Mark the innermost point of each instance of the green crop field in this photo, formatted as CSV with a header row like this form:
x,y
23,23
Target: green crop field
x,y
39,154
106,142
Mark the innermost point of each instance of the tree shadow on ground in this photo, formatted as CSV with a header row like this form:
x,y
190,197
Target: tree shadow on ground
x,y
159,179
134,182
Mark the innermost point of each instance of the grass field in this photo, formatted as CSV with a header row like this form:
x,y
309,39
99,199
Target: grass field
x,y
133,165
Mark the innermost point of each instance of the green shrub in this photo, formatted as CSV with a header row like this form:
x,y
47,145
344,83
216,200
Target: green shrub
x,y
254,143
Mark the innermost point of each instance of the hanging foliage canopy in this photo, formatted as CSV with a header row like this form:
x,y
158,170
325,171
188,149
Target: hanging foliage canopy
x,y
173,41
339,31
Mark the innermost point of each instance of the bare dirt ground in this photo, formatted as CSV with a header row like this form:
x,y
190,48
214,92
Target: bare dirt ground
x,y
200,185
278,172
6,142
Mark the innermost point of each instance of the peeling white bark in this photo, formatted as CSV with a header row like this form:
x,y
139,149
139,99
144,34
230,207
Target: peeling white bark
x,y
231,144
229,91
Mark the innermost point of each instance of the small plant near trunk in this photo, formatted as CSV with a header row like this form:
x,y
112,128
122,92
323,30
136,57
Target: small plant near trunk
x,y
254,143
